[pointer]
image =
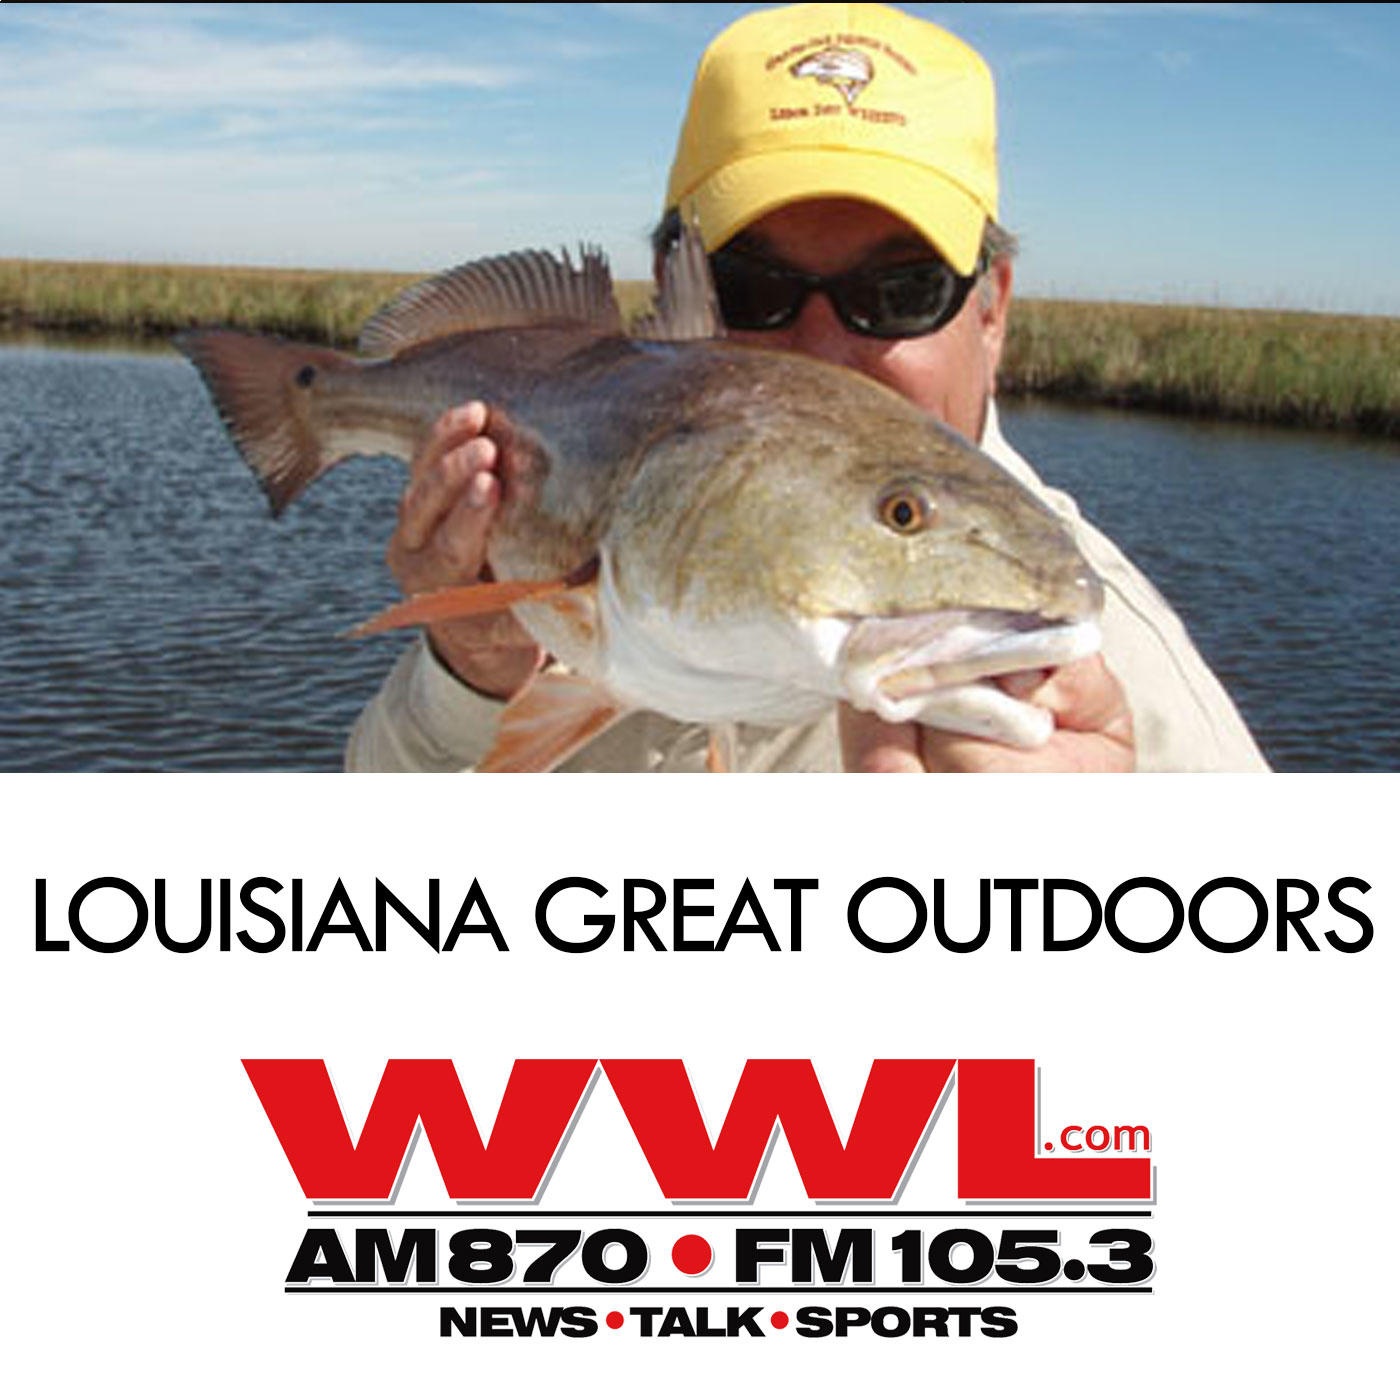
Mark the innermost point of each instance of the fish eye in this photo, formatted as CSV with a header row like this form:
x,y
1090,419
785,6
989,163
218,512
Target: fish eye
x,y
906,511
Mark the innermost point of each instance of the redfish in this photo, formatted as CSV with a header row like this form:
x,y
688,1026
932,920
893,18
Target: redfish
x,y
708,530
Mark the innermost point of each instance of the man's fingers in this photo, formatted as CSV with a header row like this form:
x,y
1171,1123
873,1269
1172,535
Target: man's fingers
x,y
458,479
1084,697
455,427
516,457
459,539
465,472
1021,685
1093,727
869,745
1093,731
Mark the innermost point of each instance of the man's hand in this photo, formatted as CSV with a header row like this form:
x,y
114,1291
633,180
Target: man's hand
x,y
456,485
1093,731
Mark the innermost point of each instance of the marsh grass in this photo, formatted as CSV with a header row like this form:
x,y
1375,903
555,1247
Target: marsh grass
x,y
1285,367
151,300
140,299
1264,366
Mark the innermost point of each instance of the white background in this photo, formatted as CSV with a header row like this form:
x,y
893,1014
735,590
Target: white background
x,y
153,1216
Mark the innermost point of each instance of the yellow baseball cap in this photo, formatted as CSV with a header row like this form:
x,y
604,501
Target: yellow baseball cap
x,y
831,101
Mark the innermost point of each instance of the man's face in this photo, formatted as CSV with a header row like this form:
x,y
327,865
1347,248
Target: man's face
x,y
950,373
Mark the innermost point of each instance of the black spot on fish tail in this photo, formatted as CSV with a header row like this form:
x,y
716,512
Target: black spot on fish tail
x,y
258,384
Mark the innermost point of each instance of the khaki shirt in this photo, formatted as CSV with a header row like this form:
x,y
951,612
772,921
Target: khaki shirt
x,y
425,720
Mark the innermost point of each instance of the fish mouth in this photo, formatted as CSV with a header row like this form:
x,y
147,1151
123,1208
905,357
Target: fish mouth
x,y
937,668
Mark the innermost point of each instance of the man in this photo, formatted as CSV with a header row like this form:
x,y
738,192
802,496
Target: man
x,y
839,161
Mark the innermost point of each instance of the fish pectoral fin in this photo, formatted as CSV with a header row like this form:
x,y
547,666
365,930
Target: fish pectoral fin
x,y
471,600
553,717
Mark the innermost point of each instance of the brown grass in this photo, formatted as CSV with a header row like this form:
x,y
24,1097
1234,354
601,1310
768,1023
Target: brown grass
x,y
1285,367
150,300
1266,366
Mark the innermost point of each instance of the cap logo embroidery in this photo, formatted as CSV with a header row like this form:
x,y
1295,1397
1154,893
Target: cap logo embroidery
x,y
847,70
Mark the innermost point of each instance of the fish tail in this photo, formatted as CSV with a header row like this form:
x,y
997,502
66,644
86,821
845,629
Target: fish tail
x,y
264,390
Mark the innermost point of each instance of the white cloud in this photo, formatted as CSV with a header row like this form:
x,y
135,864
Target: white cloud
x,y
192,73
259,201
265,134
86,63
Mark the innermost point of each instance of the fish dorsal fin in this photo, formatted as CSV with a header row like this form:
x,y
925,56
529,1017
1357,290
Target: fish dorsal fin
x,y
686,305
518,289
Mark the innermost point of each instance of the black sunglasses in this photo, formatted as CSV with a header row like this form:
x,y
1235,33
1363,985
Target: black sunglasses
x,y
890,303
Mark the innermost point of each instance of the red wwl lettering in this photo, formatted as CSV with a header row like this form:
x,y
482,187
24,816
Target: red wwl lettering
x,y
996,1126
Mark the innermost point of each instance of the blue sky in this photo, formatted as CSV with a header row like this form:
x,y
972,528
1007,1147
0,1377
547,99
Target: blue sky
x,y
1226,153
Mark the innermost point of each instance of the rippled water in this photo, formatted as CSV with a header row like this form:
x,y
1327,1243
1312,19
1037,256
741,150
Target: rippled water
x,y
154,617
1281,549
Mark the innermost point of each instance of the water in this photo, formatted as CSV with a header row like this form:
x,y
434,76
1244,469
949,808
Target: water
x,y
154,617
1280,549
